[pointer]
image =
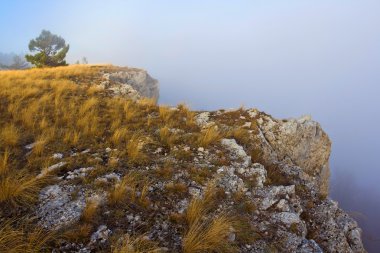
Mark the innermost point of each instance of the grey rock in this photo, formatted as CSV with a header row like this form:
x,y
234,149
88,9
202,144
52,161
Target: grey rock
x,y
101,235
132,82
237,151
58,207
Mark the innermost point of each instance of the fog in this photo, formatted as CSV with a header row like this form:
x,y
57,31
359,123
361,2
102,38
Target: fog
x,y
287,58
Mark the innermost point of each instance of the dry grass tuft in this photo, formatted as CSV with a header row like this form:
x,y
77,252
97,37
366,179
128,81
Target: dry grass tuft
x,y
166,172
179,188
4,163
134,151
207,232
199,207
139,244
209,136
166,113
19,189
9,135
79,233
90,211
16,240
131,189
209,236
119,136
39,145
241,135
167,137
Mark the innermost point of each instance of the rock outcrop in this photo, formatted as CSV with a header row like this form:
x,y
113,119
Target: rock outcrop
x,y
132,83
280,167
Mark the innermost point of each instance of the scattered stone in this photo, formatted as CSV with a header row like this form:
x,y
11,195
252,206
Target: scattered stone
x,y
101,235
81,172
57,156
31,145
202,119
50,169
247,125
86,151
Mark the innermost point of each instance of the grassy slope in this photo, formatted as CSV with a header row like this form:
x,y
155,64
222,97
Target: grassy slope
x,y
61,110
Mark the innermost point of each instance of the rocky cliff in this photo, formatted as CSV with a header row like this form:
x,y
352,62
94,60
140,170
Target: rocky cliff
x,y
145,178
131,82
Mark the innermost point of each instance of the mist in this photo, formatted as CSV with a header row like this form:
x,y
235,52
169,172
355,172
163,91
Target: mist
x,y
286,58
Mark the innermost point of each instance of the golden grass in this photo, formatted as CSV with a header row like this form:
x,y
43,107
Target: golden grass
x,y
9,135
131,111
131,189
89,211
199,207
118,193
79,233
209,236
209,136
207,232
135,153
88,105
39,145
166,172
137,244
19,189
165,113
149,102
167,137
60,110
4,162
120,135
241,135
20,240
176,188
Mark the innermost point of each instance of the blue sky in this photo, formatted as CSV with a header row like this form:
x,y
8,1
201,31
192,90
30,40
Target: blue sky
x,y
288,58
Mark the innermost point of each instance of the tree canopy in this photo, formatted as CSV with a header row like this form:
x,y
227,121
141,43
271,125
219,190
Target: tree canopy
x,y
50,50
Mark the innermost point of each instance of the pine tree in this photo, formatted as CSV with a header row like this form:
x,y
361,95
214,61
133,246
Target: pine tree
x,y
51,50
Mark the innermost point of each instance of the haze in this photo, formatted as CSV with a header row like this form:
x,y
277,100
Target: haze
x,y
287,58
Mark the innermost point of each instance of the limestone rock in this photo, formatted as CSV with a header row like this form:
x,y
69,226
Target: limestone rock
x,y
131,82
57,206
300,142
237,151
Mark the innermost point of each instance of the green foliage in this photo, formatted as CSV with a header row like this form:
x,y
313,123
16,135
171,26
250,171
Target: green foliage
x,y
51,50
